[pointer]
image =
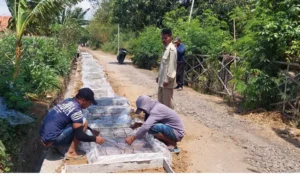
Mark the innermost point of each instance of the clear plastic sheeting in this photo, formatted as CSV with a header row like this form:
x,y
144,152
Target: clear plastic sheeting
x,y
111,117
108,110
115,150
13,117
113,101
109,121
93,77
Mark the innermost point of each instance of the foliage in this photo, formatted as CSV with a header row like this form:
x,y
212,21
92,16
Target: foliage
x,y
147,48
125,42
5,162
137,14
100,29
266,31
44,60
270,35
76,15
24,13
68,33
11,138
206,36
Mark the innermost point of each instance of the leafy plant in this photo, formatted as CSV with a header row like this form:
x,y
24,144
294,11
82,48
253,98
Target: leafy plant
x,y
5,162
11,137
23,15
147,48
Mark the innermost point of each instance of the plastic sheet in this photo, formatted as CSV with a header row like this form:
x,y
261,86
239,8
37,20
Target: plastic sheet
x,y
108,110
93,77
14,117
111,118
113,101
98,121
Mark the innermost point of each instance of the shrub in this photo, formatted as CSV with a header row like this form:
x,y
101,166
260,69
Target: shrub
x,y
43,60
147,48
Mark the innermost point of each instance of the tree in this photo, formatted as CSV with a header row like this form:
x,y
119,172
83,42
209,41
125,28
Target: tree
x,y
137,14
77,14
23,15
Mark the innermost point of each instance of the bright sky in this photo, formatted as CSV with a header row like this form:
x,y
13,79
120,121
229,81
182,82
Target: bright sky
x,y
4,9
84,4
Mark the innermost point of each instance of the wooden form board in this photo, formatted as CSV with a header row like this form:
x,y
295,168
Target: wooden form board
x,y
119,167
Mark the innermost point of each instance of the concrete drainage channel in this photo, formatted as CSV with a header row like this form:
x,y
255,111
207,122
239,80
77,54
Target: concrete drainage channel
x,y
112,118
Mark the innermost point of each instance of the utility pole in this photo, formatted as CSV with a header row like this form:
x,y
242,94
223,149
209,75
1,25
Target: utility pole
x,y
191,11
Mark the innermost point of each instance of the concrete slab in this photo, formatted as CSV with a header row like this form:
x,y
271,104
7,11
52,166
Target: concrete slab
x,y
52,162
116,167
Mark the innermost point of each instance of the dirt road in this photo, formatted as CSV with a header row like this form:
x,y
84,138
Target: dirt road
x,y
216,139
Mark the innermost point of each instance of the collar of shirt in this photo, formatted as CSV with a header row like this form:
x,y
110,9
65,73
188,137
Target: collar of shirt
x,y
76,102
168,46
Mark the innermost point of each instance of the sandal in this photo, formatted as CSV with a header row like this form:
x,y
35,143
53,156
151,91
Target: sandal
x,y
72,157
174,150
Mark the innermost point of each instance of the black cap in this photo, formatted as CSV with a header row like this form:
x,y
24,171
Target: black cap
x,y
87,94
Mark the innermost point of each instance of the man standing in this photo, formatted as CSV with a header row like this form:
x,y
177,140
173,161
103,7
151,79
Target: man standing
x,y
64,125
180,63
167,71
161,121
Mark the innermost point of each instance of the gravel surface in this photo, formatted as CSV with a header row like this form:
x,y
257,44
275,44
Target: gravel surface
x,y
265,152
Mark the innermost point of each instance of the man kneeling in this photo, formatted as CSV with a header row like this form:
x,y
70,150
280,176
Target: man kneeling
x,y
64,125
161,121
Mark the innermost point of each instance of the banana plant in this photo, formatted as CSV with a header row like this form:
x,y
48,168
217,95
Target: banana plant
x,y
23,15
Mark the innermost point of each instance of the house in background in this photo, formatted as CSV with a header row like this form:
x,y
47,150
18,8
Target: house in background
x,y
5,15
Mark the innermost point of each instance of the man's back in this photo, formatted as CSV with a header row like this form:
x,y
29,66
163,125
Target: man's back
x,y
162,114
63,114
181,52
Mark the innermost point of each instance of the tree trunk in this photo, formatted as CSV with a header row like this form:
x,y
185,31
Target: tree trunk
x,y
18,58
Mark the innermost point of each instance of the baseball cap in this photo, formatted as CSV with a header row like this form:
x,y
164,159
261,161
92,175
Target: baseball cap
x,y
88,94
177,39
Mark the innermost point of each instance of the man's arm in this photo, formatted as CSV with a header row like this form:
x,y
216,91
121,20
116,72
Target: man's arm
x,y
142,131
171,70
79,130
81,135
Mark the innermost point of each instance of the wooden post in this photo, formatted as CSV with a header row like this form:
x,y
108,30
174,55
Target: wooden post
x,y
286,79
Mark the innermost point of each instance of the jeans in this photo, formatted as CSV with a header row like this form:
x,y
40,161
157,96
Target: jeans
x,y
163,129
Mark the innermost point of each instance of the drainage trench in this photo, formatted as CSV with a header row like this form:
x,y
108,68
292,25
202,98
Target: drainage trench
x,y
111,117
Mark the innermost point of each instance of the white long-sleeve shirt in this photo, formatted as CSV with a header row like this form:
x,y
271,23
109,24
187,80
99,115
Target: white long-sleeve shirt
x,y
168,65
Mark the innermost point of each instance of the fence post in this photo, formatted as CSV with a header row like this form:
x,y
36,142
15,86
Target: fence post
x,y
286,80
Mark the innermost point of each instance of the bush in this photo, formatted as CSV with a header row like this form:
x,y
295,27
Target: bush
x,y
147,48
125,41
43,61
11,138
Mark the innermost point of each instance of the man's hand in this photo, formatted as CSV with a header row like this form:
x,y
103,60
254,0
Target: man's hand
x,y
129,140
136,125
165,84
156,80
99,140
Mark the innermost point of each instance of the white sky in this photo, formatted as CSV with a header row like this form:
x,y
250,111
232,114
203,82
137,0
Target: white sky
x,y
84,4
4,9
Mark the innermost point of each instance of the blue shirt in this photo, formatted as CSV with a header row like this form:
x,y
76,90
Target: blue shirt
x,y
59,117
180,52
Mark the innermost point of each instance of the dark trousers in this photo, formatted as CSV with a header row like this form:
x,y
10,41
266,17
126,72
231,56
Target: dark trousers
x,y
180,73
